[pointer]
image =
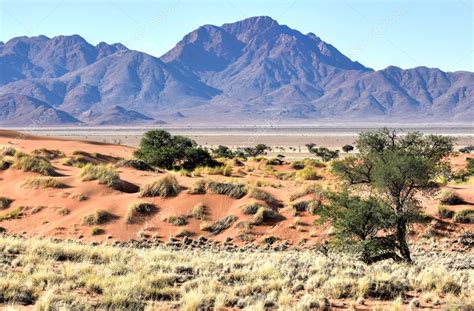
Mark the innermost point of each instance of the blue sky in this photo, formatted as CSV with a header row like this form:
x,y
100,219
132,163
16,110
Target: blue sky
x,y
376,33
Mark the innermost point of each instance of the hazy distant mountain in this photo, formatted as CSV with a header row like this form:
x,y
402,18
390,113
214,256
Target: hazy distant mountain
x,y
20,110
247,71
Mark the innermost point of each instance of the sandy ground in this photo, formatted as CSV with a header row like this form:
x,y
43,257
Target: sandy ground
x,y
41,206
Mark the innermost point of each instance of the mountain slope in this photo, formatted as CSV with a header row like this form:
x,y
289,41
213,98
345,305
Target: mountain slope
x,y
248,71
20,110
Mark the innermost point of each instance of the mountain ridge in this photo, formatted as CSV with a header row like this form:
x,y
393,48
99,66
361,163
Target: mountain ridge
x,y
251,70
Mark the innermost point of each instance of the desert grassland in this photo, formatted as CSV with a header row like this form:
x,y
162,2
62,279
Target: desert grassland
x,y
55,275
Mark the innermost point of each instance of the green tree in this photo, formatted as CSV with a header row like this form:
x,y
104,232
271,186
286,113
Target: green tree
x,y
347,148
223,152
357,225
325,154
395,168
310,147
258,150
159,148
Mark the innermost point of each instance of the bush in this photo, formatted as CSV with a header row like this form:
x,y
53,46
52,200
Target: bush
x,y
138,210
166,186
5,202
443,212
223,152
43,182
199,211
99,217
34,164
219,225
308,173
347,148
64,211
309,206
49,154
177,220
450,197
106,174
7,150
250,208
235,191
464,216
310,189
264,215
199,187
159,148
325,154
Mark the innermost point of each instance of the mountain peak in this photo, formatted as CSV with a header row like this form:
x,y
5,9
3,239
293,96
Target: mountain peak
x,y
249,27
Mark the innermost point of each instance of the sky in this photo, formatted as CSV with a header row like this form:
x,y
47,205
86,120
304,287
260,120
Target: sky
x,y
377,33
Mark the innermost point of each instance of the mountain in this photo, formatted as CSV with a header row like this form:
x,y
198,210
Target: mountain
x,y
116,116
248,71
20,110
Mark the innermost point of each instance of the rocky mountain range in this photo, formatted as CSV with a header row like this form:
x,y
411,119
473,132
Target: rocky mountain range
x,y
246,72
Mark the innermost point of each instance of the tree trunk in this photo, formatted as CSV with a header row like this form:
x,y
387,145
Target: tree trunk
x,y
402,239
390,255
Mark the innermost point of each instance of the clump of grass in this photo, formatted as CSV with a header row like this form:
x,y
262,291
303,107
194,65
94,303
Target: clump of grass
x,y
97,231
138,210
4,163
224,170
13,214
264,215
5,202
166,186
308,173
465,216
443,212
49,154
199,211
7,150
36,164
99,217
450,197
306,206
177,220
250,208
310,189
220,225
106,174
235,191
313,163
260,194
43,182
64,211
297,165
198,187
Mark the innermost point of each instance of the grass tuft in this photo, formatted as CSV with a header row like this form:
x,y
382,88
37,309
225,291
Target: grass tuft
x,y
199,211
220,225
465,216
36,164
138,210
198,187
106,174
235,191
166,186
43,182
450,197
250,208
264,215
99,217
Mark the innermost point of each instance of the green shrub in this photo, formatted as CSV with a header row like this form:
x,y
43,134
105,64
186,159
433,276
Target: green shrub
x,y
43,182
250,208
99,217
220,225
166,186
138,210
464,216
199,211
308,173
450,197
198,187
443,212
5,202
177,220
34,164
106,174
235,191
265,215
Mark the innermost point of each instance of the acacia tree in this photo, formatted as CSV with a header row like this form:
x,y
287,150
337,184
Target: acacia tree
x,y
394,168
